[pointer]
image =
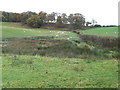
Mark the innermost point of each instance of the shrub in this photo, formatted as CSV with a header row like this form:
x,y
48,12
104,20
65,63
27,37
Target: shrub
x,y
34,21
107,42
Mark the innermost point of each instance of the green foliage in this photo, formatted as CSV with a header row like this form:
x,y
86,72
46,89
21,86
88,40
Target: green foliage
x,y
59,23
64,18
25,15
34,21
76,20
50,17
101,41
46,46
16,17
37,20
5,16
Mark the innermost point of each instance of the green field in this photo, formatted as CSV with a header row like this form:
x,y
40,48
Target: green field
x,y
16,30
64,61
103,31
49,72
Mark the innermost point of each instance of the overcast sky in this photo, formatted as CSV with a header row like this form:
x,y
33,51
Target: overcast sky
x,y
105,12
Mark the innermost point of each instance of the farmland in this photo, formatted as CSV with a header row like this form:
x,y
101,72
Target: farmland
x,y
104,31
17,30
41,58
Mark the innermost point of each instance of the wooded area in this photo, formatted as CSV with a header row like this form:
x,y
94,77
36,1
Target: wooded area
x,y
71,21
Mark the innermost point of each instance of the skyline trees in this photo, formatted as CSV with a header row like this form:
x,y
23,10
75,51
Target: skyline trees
x,y
60,20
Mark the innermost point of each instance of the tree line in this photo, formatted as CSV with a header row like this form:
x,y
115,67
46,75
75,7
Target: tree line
x,y
36,20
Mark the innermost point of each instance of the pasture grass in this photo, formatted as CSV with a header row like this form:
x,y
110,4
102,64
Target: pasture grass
x,y
48,72
103,31
10,30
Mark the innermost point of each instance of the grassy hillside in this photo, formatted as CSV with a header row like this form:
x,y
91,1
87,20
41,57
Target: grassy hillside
x,y
103,31
17,30
60,61
49,72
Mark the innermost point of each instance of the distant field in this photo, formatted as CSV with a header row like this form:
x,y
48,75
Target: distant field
x,y
16,30
48,72
104,31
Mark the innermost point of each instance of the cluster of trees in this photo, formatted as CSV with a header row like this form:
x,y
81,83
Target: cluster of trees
x,y
73,21
16,17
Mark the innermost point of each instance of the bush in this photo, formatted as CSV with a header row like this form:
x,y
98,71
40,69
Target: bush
x,y
107,42
34,21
